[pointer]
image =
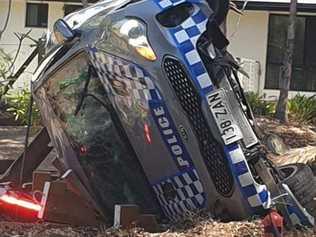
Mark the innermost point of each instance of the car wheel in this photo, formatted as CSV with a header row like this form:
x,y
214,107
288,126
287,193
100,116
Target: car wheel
x,y
220,7
301,181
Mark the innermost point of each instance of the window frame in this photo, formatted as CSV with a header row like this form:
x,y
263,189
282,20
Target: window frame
x,y
71,5
27,14
304,65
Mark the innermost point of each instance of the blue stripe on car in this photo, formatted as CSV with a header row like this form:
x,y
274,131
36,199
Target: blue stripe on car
x,y
188,189
185,37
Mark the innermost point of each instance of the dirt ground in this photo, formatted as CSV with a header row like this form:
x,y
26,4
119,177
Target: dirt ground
x,y
294,135
204,228
11,141
299,139
296,138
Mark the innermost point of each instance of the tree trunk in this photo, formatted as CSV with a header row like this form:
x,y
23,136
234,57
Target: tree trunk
x,y
286,69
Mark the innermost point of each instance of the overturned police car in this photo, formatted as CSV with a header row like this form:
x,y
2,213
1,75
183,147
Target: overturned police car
x,y
142,101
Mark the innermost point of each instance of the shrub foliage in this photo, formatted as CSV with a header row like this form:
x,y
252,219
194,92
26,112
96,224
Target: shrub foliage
x,y
259,105
303,108
18,104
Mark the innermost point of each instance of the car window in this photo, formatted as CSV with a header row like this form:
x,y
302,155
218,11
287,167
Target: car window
x,y
96,135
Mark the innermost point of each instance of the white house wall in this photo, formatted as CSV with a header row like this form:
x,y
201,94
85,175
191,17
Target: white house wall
x,y
9,42
249,40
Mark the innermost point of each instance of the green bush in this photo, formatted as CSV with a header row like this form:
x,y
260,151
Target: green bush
x,y
5,62
259,105
18,104
303,108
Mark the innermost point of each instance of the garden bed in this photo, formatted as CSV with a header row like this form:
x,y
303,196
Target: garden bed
x,y
295,136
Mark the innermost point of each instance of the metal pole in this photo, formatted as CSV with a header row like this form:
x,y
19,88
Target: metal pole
x,y
26,141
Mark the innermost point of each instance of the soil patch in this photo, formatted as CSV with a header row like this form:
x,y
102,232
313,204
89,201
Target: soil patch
x,y
11,141
294,135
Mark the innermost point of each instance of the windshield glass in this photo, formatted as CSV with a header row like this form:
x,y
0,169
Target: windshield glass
x,y
96,136
51,42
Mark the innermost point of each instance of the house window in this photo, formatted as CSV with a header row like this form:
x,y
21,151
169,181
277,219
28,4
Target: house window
x,y
304,58
36,15
71,8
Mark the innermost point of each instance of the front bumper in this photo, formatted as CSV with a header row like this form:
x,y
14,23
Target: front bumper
x,y
185,37
195,173
186,164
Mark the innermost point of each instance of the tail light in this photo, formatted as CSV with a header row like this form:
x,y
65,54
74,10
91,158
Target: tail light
x,y
147,133
19,206
22,203
83,150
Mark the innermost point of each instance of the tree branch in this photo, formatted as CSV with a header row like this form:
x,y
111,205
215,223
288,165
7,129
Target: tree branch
x,y
21,37
84,3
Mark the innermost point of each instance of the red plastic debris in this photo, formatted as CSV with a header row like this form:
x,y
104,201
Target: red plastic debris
x,y
19,205
83,150
147,133
273,224
20,202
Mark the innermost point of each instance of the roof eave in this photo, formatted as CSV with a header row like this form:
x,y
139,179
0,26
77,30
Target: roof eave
x,y
275,6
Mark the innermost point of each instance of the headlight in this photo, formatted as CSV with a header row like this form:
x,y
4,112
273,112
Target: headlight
x,y
134,31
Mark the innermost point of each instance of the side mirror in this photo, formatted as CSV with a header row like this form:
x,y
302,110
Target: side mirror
x,y
62,31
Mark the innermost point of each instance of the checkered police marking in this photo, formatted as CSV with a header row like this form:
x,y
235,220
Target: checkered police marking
x,y
111,69
186,185
189,195
164,4
184,195
185,37
185,189
257,195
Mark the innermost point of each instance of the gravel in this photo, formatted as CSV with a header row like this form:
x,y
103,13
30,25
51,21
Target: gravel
x,y
11,144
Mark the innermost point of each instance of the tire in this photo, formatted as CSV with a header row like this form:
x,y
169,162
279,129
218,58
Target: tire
x,y
220,7
301,181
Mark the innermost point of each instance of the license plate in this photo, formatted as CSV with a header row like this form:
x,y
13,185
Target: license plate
x,y
224,119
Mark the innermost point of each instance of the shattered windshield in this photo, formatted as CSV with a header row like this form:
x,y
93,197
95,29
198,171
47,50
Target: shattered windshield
x,y
93,130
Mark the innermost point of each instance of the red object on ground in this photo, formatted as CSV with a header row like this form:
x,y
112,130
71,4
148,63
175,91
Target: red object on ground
x,y
83,150
19,205
20,202
273,224
147,133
